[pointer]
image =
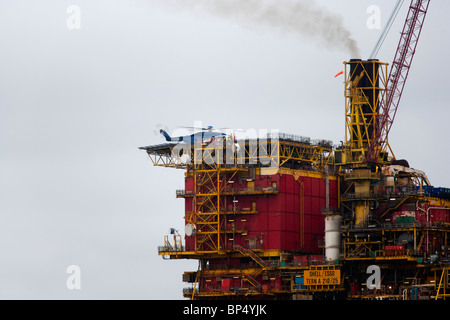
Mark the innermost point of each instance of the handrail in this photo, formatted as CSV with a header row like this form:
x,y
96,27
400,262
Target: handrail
x,y
248,252
251,279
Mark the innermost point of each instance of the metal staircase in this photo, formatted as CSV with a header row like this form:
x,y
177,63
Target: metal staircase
x,y
251,254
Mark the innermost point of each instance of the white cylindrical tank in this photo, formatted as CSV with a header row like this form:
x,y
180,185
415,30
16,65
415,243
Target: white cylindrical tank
x,y
332,237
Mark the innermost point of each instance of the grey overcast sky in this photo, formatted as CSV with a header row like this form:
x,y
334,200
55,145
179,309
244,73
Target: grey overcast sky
x,y
76,104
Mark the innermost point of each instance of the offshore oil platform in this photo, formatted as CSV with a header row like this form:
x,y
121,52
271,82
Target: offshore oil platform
x,y
279,216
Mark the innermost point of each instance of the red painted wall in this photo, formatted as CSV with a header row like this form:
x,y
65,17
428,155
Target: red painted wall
x,y
277,224
435,214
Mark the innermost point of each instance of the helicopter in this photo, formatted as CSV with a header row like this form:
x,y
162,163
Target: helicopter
x,y
206,135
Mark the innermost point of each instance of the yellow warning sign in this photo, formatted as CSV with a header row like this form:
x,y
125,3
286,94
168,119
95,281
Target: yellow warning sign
x,y
322,277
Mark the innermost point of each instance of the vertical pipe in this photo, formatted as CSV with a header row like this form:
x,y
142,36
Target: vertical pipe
x,y
415,236
339,190
218,208
302,210
327,189
194,205
302,214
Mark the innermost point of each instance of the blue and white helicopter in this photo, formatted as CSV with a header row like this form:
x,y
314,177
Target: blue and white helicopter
x,y
205,135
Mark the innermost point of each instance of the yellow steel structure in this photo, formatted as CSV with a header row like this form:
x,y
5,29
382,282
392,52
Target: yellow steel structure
x,y
214,165
213,169
288,287
405,248
209,205
273,153
443,284
365,82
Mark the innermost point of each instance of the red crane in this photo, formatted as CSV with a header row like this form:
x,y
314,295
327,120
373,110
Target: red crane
x,y
397,77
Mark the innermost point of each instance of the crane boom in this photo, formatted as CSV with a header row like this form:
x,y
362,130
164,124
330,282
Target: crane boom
x,y
397,76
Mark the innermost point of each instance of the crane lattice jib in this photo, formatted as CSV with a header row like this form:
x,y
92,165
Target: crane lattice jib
x,y
397,76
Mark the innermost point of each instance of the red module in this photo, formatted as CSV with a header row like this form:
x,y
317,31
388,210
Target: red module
x,y
288,219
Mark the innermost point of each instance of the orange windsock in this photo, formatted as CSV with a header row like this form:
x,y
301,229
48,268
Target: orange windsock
x,y
342,72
